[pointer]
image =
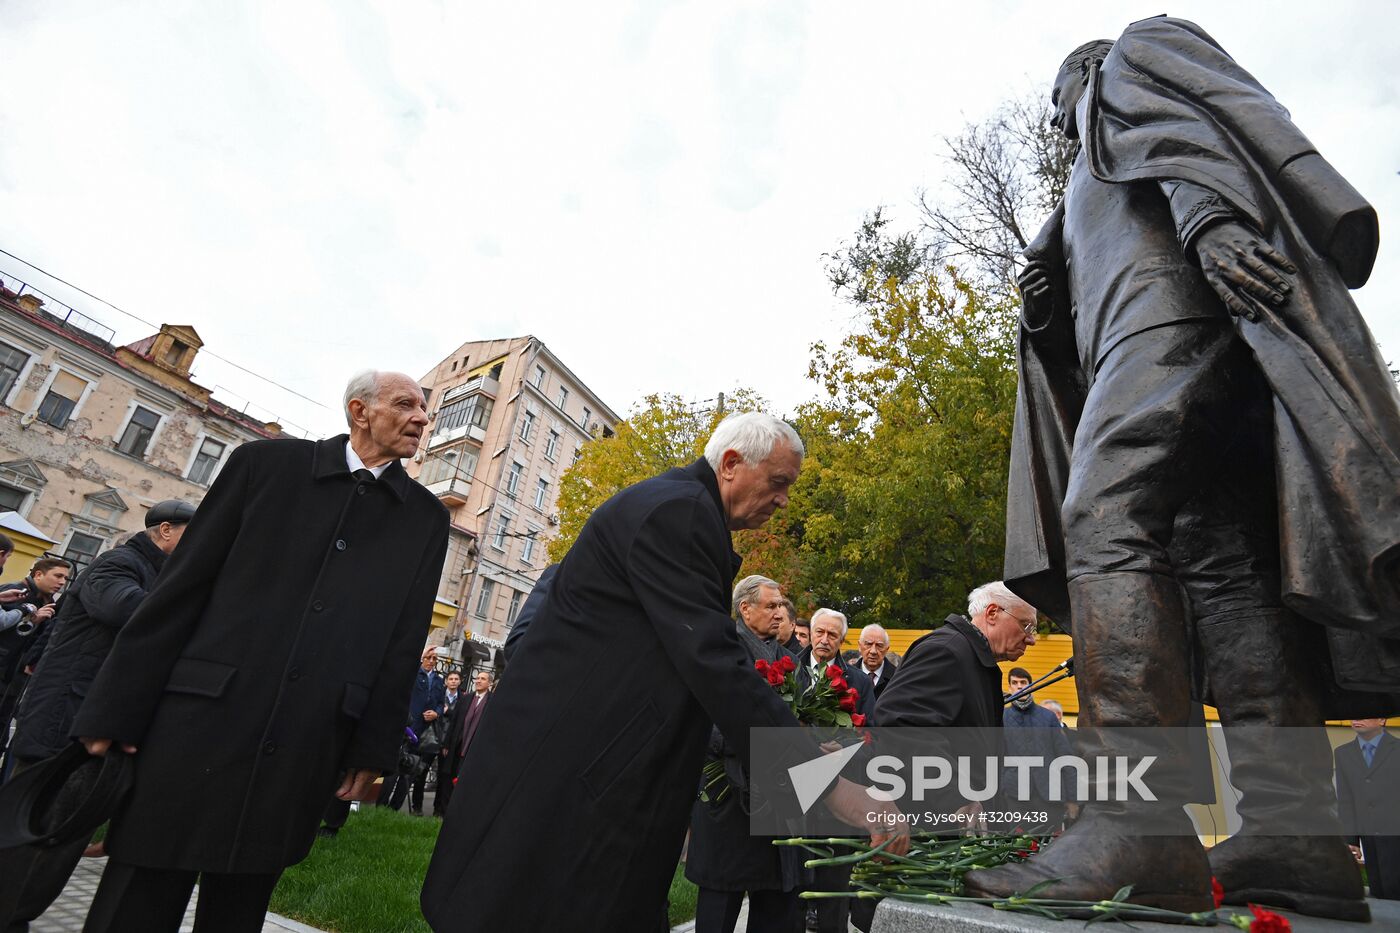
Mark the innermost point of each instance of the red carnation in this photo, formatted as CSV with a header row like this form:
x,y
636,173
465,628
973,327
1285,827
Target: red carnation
x,y
834,672
848,702
786,664
775,676
857,719
761,666
1266,921
1217,892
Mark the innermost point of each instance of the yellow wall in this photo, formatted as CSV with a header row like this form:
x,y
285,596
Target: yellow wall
x,y
28,549
443,614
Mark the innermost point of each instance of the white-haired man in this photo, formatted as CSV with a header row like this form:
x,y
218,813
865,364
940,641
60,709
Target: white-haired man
x,y
270,664
828,632
611,762
875,660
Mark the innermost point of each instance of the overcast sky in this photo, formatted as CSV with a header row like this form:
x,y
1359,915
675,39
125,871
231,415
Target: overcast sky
x,y
320,187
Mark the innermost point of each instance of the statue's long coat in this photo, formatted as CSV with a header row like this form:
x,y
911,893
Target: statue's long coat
x,y
1168,103
277,648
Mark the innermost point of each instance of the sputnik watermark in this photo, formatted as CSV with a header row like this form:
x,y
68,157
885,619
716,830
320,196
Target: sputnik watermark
x,y
1116,778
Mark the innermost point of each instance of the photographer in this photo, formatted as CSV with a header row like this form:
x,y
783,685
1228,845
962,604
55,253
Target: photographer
x,y
22,617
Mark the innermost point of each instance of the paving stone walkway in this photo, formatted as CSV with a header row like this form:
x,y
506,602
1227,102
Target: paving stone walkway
x,y
67,913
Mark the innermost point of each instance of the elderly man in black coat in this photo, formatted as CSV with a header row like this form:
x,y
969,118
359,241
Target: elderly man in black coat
x,y
597,735
724,859
269,667
96,606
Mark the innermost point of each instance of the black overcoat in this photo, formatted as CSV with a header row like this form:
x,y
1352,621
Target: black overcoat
x,y
723,854
572,803
276,649
94,609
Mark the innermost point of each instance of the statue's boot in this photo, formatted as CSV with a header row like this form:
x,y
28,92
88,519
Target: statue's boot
x,y
1267,692
1130,663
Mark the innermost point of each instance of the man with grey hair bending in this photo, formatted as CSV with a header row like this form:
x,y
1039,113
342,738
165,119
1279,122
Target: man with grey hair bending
x,y
612,763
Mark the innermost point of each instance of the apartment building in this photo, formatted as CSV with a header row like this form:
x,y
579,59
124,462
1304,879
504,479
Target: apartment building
x,y
93,434
508,417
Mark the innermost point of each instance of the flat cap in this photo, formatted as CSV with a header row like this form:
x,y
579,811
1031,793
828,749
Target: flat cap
x,y
174,511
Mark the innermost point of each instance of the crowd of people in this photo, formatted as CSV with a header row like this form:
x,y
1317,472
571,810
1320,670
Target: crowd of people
x,y
322,687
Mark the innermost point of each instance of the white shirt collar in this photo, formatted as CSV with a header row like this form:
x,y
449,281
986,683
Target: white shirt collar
x,y
353,461
878,672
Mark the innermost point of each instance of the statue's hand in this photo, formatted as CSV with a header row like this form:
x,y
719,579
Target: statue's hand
x,y
1248,274
1036,292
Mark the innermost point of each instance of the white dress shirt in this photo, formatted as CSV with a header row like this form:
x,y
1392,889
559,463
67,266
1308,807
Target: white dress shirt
x,y
353,461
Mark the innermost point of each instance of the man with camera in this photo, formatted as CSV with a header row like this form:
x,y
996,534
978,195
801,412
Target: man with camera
x,y
25,608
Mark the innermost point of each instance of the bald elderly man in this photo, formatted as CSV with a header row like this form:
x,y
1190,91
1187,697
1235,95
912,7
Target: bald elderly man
x,y
269,667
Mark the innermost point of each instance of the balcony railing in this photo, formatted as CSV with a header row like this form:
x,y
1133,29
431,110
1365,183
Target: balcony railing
x,y
452,491
483,384
455,434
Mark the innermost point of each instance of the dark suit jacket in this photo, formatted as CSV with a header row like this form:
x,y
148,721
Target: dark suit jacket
x,y
598,733
865,705
1368,802
262,663
463,725
948,678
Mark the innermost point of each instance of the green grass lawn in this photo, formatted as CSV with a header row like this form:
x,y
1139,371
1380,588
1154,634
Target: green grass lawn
x,y
367,879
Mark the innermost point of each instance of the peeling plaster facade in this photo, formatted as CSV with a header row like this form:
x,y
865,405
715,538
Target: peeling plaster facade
x,y
92,435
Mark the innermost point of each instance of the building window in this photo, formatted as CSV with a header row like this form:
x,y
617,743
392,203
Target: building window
x,y
514,610
498,541
206,461
483,599
541,493
539,377
64,393
455,462
563,398
454,366
82,548
527,553
473,410
12,363
583,419
578,452
12,499
527,426
139,430
551,447
513,480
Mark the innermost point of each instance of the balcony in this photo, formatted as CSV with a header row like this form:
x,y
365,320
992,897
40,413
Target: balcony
x,y
455,434
483,384
452,491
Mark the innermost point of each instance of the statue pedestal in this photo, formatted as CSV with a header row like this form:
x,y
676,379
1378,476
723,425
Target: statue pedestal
x,y
903,917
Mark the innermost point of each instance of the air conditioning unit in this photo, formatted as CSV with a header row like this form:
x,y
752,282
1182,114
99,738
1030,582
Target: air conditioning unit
x,y
554,519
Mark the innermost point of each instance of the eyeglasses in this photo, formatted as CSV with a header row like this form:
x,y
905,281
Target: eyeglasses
x,y
1027,625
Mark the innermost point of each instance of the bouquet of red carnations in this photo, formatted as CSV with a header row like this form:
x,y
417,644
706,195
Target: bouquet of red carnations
x,y
827,702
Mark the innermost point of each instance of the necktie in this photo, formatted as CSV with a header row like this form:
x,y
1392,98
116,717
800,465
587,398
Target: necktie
x,y
363,475
874,678
1369,753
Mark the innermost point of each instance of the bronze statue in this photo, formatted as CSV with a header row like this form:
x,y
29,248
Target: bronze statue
x,y
1205,471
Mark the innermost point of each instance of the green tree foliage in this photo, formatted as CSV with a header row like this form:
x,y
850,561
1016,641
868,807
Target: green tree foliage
x,y
901,508
664,431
